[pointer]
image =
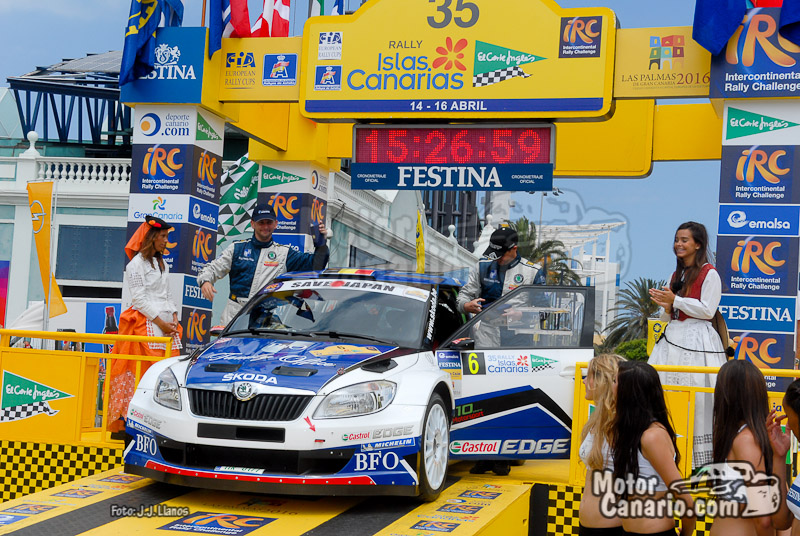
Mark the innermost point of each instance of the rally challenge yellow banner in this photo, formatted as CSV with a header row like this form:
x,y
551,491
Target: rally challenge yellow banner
x,y
40,197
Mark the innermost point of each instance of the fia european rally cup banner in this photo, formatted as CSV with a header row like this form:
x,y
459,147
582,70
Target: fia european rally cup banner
x,y
759,174
758,313
759,220
757,265
516,177
757,62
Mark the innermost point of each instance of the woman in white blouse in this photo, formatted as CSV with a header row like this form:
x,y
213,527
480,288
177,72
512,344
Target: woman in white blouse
x,y
690,302
152,313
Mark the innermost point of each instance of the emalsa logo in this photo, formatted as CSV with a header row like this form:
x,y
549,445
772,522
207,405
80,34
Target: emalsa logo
x,y
475,447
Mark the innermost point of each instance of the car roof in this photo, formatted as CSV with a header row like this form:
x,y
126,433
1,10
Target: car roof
x,y
374,275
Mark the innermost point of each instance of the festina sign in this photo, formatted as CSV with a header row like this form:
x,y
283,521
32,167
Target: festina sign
x,y
524,177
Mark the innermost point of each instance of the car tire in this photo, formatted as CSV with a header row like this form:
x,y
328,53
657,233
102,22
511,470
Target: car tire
x,y
433,453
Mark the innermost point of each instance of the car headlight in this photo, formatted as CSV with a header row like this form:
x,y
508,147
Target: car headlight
x,y
167,392
360,399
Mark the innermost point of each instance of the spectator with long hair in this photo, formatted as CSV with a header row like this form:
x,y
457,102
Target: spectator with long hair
x,y
645,449
690,303
595,450
152,313
741,407
788,515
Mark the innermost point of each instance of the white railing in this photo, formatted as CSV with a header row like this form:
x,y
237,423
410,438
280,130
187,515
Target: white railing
x,y
85,171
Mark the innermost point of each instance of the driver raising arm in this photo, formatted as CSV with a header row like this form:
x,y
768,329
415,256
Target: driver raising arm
x,y
254,263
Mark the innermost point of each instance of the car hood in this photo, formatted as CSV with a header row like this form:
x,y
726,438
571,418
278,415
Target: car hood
x,y
283,363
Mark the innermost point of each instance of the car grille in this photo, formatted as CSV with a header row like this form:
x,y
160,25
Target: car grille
x,y
223,405
292,462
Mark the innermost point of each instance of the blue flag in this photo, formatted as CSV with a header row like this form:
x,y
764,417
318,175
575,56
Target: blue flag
x,y
138,53
715,21
790,21
337,8
219,16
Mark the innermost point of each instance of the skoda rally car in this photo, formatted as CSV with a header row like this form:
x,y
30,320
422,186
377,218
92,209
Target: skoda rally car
x,y
360,382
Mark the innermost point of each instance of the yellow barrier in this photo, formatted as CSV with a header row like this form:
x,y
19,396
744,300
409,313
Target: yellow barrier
x,y
50,396
680,402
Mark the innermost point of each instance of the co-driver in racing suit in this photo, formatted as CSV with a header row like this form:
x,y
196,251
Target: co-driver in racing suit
x,y
501,272
254,263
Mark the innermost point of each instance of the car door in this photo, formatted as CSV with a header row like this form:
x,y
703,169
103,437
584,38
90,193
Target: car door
x,y
513,368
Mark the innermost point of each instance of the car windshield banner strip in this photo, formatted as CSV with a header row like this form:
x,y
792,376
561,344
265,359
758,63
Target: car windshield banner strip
x,y
382,287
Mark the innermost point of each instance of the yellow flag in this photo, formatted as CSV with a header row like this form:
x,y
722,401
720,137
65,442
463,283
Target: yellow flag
x,y
655,329
40,197
420,245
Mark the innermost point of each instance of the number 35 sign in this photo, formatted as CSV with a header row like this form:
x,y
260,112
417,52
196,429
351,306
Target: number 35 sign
x,y
459,59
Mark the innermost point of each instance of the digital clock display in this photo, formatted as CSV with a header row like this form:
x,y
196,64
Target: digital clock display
x,y
453,144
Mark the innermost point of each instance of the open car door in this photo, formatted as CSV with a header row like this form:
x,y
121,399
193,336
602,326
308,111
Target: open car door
x,y
513,373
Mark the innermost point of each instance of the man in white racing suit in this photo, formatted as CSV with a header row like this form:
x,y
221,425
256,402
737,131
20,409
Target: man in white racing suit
x,y
499,273
254,263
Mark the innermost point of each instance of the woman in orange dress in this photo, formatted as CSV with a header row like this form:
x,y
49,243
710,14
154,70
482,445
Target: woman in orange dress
x,y
152,313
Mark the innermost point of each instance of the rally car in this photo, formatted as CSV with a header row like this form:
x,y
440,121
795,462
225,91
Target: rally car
x,y
360,382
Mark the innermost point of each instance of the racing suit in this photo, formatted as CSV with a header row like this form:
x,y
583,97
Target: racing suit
x,y
490,281
252,264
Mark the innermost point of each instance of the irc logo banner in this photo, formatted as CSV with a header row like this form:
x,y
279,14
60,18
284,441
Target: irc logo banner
x,y
758,313
296,212
580,37
666,52
196,323
206,173
757,62
758,174
214,523
435,526
162,168
766,351
758,265
204,247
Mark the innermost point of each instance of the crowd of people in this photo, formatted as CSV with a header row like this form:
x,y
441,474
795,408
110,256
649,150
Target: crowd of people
x,y
629,446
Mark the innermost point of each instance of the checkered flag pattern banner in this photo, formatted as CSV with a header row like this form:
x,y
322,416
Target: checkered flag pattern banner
x,y
27,468
16,413
540,367
238,192
487,79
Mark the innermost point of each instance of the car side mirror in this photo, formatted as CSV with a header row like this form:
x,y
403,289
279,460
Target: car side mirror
x,y
216,331
463,344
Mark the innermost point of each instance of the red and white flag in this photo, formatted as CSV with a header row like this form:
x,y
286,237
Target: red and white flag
x,y
236,19
274,21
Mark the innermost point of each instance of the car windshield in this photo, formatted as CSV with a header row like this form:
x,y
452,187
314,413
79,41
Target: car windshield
x,y
370,310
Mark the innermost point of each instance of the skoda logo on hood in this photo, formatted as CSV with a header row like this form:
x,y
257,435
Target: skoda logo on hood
x,y
243,390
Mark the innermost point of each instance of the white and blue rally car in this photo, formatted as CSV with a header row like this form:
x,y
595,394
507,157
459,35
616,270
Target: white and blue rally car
x,y
361,382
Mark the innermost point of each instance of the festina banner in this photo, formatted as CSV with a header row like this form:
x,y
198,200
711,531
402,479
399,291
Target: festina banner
x,y
514,177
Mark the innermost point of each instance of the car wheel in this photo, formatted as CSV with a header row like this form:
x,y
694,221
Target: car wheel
x,y
433,455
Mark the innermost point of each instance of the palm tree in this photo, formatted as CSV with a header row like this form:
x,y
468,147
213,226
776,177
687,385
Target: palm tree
x,y
633,309
551,251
